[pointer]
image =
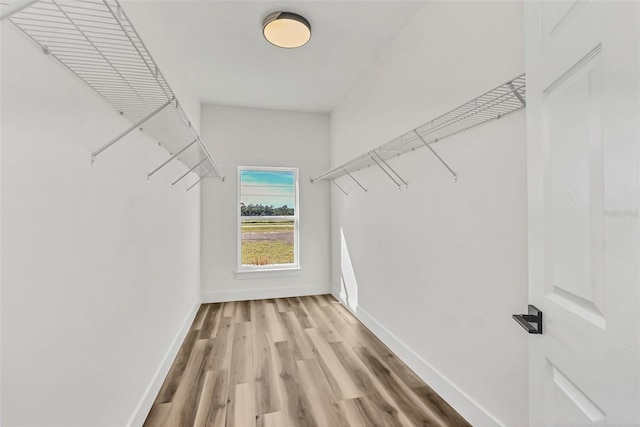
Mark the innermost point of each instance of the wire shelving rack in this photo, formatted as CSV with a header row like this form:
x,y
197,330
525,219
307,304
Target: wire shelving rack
x,y
496,103
95,40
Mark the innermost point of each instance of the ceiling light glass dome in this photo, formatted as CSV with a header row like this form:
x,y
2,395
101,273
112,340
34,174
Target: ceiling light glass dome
x,y
287,30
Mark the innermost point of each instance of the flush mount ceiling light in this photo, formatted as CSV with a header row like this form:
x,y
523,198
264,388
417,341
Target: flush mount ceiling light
x,y
285,29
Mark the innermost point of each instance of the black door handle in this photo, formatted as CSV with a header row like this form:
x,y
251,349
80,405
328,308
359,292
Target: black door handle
x,y
526,320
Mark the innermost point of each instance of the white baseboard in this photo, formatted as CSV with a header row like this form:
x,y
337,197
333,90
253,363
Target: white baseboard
x,y
263,293
471,410
143,408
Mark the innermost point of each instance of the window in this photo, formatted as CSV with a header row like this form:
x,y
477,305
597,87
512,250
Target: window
x,y
267,218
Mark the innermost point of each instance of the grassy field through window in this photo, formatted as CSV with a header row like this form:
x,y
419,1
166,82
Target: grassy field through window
x,y
267,242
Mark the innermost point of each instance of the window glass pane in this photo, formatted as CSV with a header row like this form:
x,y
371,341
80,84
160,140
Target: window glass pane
x,y
267,241
264,192
267,217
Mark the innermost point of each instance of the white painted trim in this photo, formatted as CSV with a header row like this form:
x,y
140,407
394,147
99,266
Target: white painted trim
x,y
273,272
263,293
143,408
471,410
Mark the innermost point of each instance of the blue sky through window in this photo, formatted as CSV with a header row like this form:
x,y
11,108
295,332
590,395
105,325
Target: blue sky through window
x,y
267,188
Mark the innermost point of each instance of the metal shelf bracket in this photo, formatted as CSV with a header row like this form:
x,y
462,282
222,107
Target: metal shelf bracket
x,y
517,94
126,132
356,181
455,177
374,155
340,188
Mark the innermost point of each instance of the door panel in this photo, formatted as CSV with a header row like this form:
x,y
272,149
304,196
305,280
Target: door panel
x,y
575,204
583,140
572,403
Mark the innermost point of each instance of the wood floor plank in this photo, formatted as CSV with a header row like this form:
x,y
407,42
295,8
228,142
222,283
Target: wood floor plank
x,y
292,362
228,309
303,315
346,330
295,402
386,409
283,305
158,415
264,371
273,419
391,360
242,355
274,324
360,413
339,380
220,358
296,336
324,405
343,312
187,397
200,316
176,371
242,411
324,325
256,310
432,399
211,322
243,312
320,300
212,409
410,405
359,336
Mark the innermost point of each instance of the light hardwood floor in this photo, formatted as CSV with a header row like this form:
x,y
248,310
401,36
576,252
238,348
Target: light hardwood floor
x,y
291,362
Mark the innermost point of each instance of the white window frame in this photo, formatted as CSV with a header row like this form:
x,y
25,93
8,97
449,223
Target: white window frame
x,y
296,225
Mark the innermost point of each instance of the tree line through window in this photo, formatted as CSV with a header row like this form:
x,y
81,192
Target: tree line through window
x,y
268,218
259,210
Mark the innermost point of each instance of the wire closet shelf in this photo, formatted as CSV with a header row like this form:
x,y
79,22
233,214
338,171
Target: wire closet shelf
x,y
504,99
95,40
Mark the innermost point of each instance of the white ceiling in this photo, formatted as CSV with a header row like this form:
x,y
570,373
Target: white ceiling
x,y
217,48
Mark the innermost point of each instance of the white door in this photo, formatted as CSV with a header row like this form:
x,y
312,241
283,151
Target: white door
x,y
583,119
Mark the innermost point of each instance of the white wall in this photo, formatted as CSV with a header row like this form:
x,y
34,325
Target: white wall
x,y
441,267
256,137
99,268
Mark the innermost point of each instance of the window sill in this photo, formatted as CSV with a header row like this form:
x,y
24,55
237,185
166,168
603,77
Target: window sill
x,y
272,272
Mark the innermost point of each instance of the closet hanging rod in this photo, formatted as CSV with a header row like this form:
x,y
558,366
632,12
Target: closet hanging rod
x,y
199,179
188,172
166,162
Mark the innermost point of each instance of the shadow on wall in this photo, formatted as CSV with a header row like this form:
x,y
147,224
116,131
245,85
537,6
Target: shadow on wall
x,y
348,282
